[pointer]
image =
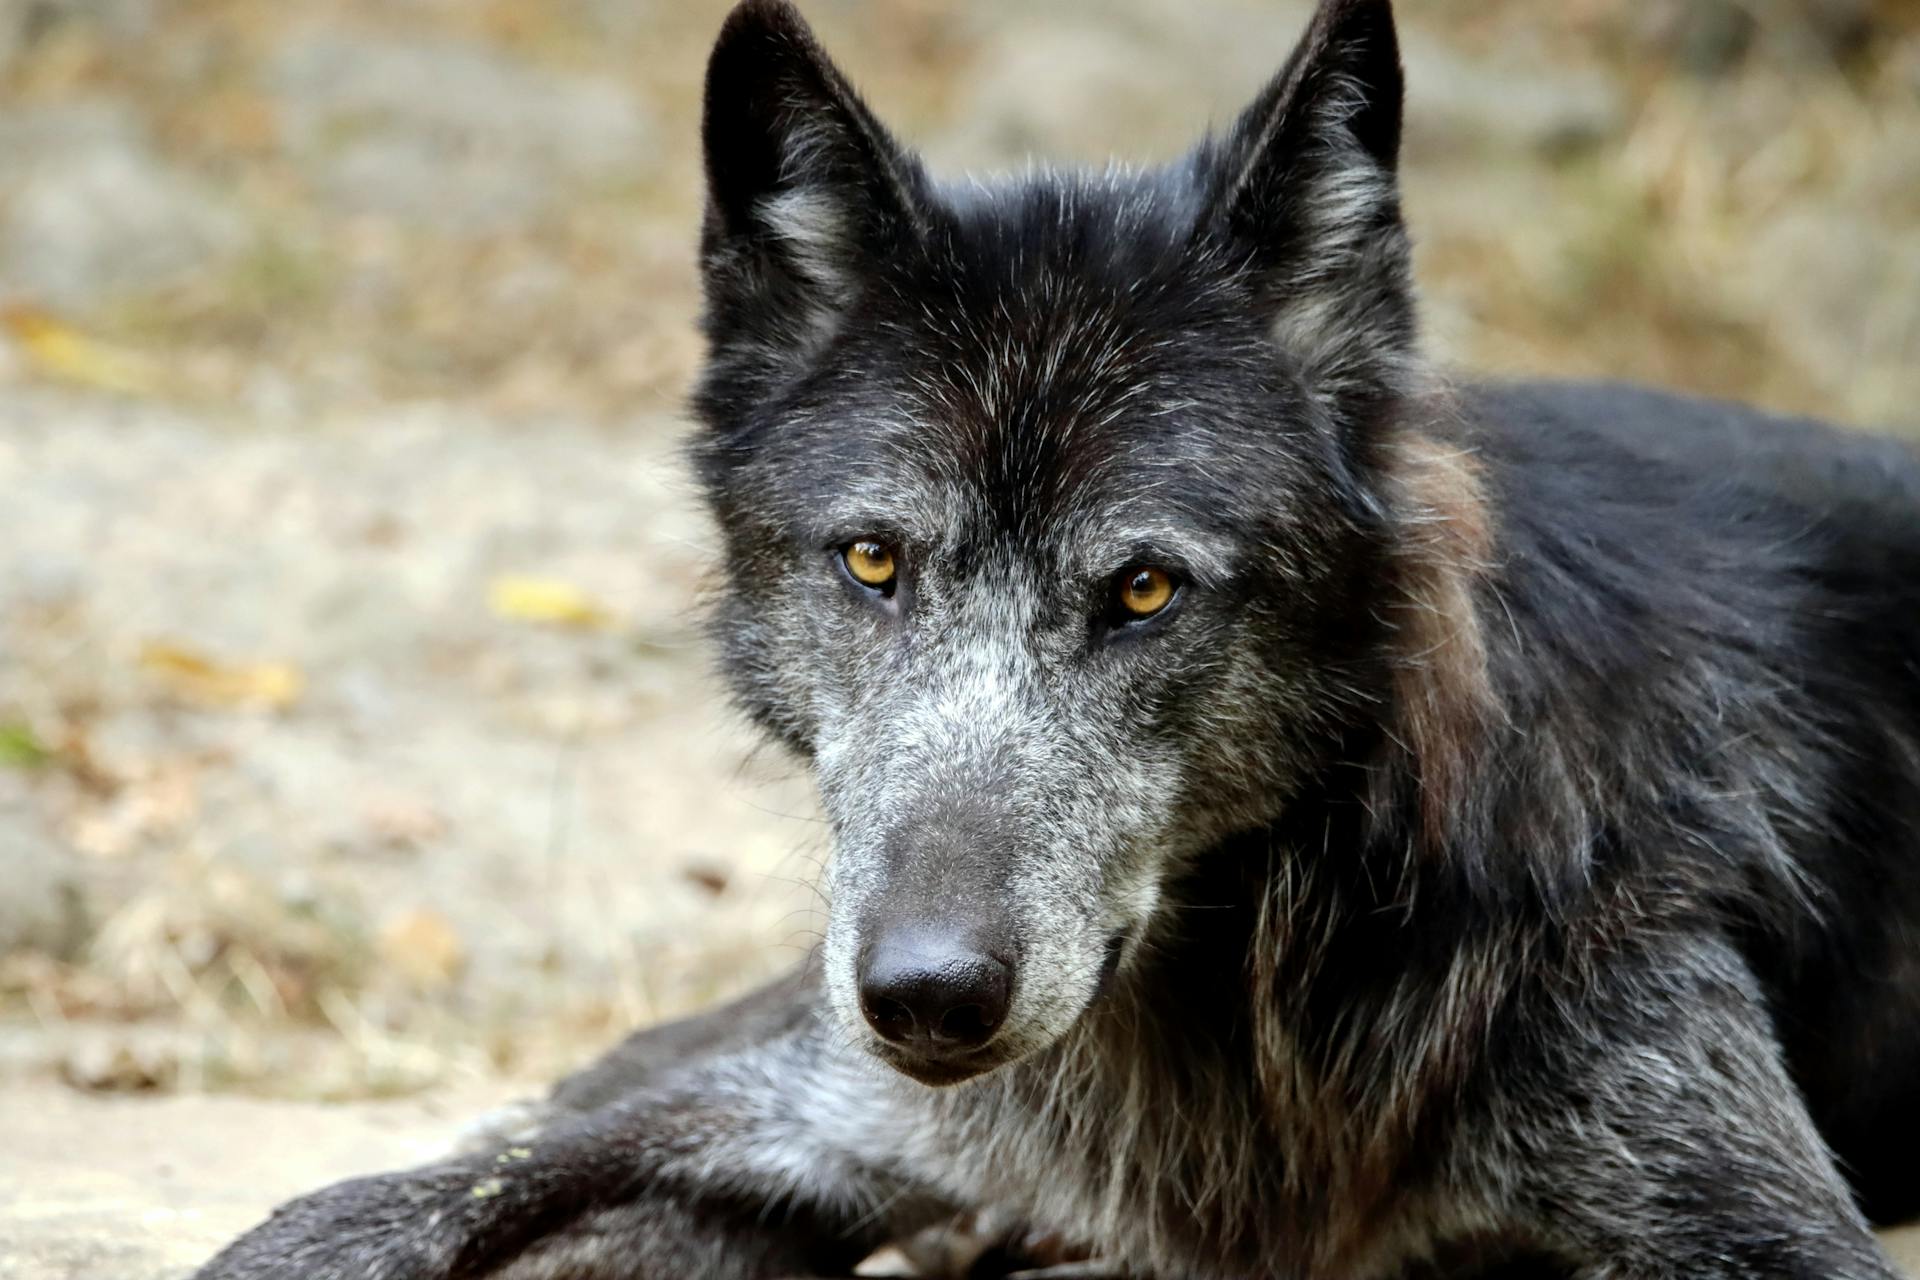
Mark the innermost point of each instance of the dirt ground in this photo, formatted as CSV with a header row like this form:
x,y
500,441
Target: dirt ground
x,y
356,741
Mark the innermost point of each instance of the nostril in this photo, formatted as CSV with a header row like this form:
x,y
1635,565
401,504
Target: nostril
x,y
970,1024
933,993
889,1018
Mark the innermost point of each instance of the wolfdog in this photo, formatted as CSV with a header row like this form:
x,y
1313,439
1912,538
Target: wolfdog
x,y
1293,816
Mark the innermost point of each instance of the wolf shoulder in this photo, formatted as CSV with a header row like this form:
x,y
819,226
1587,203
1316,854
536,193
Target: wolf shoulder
x,y
1581,448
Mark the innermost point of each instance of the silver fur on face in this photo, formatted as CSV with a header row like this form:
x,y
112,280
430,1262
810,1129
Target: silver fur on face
x,y
985,705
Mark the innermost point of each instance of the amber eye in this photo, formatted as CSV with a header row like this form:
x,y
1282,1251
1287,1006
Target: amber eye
x,y
870,563
1141,592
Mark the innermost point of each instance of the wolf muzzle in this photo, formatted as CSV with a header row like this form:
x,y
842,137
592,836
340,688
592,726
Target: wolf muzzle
x,y
935,991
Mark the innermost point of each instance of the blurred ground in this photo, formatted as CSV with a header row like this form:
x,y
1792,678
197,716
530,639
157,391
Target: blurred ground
x,y
148,1189
354,734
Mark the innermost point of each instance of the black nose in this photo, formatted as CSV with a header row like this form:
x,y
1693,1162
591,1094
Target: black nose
x,y
934,993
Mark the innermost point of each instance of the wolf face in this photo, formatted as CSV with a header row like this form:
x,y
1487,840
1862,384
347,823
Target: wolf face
x,y
1058,514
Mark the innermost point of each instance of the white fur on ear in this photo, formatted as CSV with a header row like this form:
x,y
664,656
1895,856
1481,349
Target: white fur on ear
x,y
1308,180
806,190
1336,315
818,246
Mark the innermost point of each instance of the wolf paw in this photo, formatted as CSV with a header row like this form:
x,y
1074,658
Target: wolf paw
x,y
397,1226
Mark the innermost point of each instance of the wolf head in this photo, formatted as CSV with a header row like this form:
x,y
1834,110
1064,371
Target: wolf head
x,y
1059,514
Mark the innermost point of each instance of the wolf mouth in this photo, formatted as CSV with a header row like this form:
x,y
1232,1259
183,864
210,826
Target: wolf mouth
x,y
1110,965
940,1073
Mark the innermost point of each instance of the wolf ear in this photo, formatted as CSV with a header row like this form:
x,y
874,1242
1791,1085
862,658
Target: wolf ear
x,y
803,184
1306,183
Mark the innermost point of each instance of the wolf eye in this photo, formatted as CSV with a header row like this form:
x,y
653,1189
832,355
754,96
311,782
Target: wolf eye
x,y
870,563
1141,591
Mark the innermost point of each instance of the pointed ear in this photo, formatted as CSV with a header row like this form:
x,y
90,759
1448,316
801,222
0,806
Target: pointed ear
x,y
1306,183
804,187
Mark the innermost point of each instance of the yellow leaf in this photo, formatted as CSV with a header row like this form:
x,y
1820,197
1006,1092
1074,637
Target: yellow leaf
x,y
197,678
423,947
61,352
526,599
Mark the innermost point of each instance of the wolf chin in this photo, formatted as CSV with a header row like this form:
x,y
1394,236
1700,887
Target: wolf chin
x,y
1293,816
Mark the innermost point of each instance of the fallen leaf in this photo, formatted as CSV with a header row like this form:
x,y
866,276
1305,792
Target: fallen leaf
x,y
198,678
526,599
56,350
708,876
21,748
404,822
423,947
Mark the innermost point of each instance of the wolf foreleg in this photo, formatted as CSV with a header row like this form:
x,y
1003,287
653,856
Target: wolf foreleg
x,y
726,1173
1672,1141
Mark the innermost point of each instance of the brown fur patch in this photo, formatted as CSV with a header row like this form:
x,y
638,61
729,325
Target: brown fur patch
x,y
1441,689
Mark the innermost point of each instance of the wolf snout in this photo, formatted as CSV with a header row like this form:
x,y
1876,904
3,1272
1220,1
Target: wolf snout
x,y
934,993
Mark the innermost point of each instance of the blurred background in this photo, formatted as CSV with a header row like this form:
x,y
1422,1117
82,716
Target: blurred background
x,y
355,735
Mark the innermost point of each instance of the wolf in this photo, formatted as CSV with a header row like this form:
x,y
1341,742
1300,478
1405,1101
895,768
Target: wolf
x,y
1294,814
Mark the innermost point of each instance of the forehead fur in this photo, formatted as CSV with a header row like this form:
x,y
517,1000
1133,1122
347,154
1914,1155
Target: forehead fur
x,y
1058,346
